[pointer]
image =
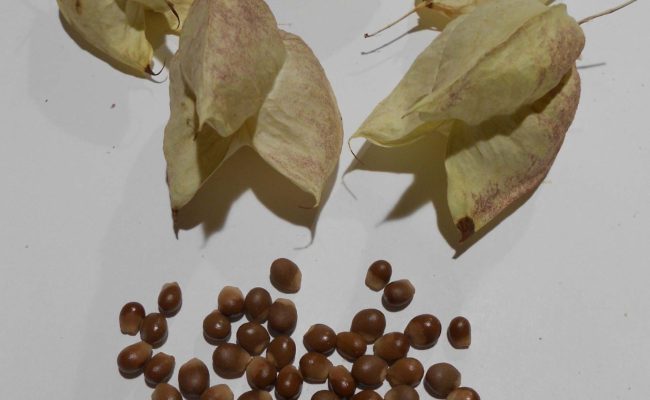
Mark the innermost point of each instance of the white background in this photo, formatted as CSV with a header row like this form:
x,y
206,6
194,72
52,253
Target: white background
x,y
557,292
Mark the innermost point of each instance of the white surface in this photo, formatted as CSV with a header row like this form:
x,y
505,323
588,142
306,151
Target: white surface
x,y
557,293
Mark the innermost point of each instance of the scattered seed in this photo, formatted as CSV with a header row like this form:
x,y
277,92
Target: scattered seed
x,y
288,384
283,317
255,395
350,345
165,391
402,392
367,395
325,395
406,371
341,382
378,275
260,374
441,379
281,351
154,329
257,304
285,275
369,372
170,299
370,324
314,367
216,328
253,337
159,369
459,333
392,346
423,331
320,338
132,359
230,360
463,393
193,378
131,317
218,392
231,302
398,295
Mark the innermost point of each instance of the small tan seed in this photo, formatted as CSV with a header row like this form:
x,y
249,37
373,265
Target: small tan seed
x,y
216,328
154,329
378,275
253,337
256,395
341,382
170,299
402,392
159,369
165,391
320,338
218,392
423,331
193,378
325,395
369,372
231,302
398,295
369,323
314,367
131,317
230,360
392,346
350,345
441,379
285,275
283,317
288,384
257,304
132,359
367,395
459,333
463,393
260,374
406,371
281,351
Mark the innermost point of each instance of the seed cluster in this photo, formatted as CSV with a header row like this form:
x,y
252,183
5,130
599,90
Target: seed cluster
x,y
265,355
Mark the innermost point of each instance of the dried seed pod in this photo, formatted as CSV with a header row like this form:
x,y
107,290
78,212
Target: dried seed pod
x,y
325,395
369,323
314,367
218,392
459,333
255,395
369,372
260,374
283,317
216,328
170,299
257,304
320,338
165,391
131,317
285,275
159,369
341,382
288,384
406,371
231,302
253,337
423,331
154,329
230,360
193,378
402,392
367,395
463,393
378,275
441,379
392,346
350,345
132,358
281,351
398,295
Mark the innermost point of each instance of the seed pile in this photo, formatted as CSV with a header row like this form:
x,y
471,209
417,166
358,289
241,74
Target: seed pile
x,y
265,355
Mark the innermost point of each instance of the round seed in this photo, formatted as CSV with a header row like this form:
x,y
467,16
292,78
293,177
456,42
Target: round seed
x,y
392,346
154,329
281,351
402,392
193,378
159,369
132,358
283,317
369,371
170,299
260,374
230,360
216,327
407,371
325,395
320,338
131,317
285,275
369,323
341,382
350,345
255,395
165,391
378,275
423,331
231,302
441,379
218,392
398,295
367,395
314,367
253,337
288,384
463,393
257,304
459,333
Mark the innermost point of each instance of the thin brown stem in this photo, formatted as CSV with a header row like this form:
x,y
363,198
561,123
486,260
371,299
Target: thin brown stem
x,y
426,3
606,12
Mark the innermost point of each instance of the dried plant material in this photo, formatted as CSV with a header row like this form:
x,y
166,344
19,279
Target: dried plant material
x,y
258,87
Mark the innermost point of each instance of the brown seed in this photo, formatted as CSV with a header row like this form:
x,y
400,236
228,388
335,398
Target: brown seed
x,y
132,358
218,392
170,299
378,275
281,351
131,317
341,382
367,395
154,329
369,371
255,395
392,346
165,391
314,367
285,275
398,295
230,360
216,328
325,395
288,385
407,371
320,338
159,369
423,331
260,374
441,379
193,378
257,304
464,393
283,317
231,302
253,337
350,345
402,392
369,323
459,333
